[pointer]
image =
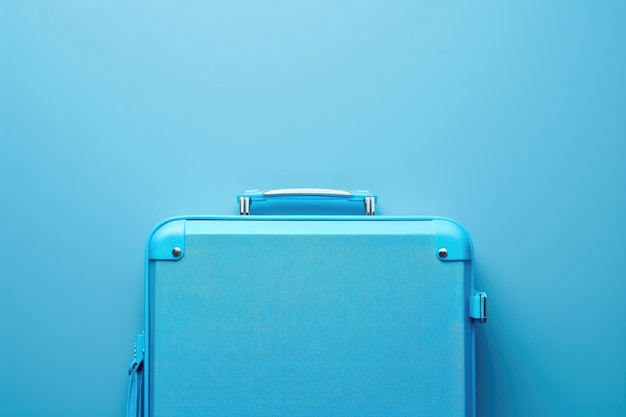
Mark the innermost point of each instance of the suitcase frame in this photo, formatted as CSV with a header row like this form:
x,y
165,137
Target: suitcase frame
x,y
449,248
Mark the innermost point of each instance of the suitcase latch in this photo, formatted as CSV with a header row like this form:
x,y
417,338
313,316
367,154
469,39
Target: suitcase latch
x,y
478,307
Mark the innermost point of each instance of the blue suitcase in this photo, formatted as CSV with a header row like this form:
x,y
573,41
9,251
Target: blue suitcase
x,y
328,310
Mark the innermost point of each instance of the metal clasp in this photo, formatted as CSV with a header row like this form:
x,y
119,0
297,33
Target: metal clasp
x,y
478,307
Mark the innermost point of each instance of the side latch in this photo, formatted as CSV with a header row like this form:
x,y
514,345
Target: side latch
x,y
478,306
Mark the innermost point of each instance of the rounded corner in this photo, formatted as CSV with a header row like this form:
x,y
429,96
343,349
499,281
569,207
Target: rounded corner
x,y
166,241
454,238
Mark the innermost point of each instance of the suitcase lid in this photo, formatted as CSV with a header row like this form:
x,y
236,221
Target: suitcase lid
x,y
309,315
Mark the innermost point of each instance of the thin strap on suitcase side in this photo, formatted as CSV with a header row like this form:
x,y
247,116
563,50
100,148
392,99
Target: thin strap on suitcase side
x,y
134,402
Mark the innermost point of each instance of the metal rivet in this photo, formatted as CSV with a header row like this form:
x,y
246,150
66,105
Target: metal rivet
x,y
177,252
443,253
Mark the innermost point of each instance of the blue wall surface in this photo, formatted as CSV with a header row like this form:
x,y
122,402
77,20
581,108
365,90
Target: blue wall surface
x,y
509,117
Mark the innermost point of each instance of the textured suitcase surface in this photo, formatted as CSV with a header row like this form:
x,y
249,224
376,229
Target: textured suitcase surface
x,y
309,316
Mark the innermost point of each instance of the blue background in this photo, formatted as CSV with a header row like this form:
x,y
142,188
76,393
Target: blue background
x,y
510,118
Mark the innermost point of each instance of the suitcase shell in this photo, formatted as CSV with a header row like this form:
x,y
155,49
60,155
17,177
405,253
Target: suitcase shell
x,y
309,315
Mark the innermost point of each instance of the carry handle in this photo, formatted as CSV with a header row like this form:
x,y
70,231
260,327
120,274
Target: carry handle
x,y
327,192
304,196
